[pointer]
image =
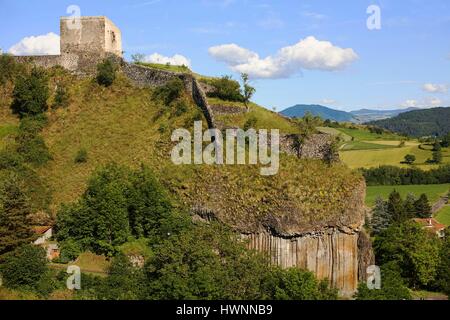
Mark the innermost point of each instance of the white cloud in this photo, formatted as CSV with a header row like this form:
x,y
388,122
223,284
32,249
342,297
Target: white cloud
x,y
410,103
37,45
328,101
435,88
308,53
176,60
435,102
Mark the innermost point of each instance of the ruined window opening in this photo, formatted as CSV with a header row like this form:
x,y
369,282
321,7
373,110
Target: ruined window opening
x,y
113,35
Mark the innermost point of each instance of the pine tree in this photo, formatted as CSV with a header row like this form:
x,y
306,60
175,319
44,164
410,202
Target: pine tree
x,y
380,217
423,207
395,207
409,206
14,211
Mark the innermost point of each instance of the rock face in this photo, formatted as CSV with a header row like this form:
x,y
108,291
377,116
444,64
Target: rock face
x,y
331,255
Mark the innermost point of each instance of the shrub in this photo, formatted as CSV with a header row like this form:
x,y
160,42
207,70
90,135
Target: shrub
x,y
8,68
410,158
181,107
33,149
24,268
30,94
81,156
171,91
227,89
70,250
106,72
61,97
250,123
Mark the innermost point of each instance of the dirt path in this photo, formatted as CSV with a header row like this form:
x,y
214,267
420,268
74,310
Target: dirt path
x,y
442,202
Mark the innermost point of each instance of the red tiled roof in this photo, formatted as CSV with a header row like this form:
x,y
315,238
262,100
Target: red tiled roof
x,y
431,223
41,229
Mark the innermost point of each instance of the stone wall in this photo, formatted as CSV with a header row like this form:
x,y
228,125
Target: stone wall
x,y
331,254
318,146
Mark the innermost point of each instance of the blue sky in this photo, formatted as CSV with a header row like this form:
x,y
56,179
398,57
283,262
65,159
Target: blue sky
x,y
329,57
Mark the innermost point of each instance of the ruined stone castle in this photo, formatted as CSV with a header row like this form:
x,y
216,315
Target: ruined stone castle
x,y
84,42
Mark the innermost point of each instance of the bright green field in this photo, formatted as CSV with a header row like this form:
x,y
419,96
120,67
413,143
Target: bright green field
x,y
444,216
390,156
365,135
433,192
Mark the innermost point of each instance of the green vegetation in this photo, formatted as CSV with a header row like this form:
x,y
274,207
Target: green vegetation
x,y
166,67
443,216
81,156
106,72
61,97
117,204
26,269
30,94
393,287
225,88
419,123
432,191
391,175
412,249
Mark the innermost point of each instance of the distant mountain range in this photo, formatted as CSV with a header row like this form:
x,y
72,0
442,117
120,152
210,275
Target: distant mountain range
x,y
358,116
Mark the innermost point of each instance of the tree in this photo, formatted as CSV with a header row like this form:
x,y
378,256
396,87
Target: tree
x,y
443,272
395,207
14,211
24,268
225,88
392,286
30,94
437,156
138,57
423,207
414,250
410,159
248,91
106,72
409,206
380,220
296,284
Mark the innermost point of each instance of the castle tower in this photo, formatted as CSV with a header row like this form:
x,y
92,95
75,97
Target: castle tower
x,y
97,35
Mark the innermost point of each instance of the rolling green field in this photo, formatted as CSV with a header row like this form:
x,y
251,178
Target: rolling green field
x,y
443,216
433,192
365,135
391,156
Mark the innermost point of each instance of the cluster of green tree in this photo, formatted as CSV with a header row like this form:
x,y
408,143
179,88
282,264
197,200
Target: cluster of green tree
x,y
204,262
396,210
118,204
22,191
225,88
27,269
391,175
409,256
419,123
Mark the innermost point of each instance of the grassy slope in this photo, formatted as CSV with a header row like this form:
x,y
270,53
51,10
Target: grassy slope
x,y
266,119
121,124
443,216
166,67
433,191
